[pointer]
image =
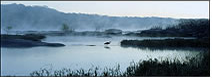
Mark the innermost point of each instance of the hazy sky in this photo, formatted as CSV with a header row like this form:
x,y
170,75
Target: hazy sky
x,y
174,9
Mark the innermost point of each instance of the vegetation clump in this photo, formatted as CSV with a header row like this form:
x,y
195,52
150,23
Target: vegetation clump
x,y
66,28
166,43
199,66
199,28
166,68
8,29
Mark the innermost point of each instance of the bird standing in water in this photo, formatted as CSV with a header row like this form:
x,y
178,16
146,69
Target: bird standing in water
x,y
107,42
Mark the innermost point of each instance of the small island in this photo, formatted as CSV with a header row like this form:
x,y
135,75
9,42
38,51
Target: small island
x,y
24,41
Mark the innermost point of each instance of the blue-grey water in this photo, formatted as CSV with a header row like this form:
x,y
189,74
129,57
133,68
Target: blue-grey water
x,y
77,54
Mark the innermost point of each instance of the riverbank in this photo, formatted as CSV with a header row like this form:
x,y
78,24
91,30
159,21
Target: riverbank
x,y
199,66
24,41
205,43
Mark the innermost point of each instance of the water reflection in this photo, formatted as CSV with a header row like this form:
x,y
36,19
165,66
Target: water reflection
x,y
106,47
84,54
164,48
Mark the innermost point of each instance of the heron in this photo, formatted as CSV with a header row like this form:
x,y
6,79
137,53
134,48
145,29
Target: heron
x,y
107,42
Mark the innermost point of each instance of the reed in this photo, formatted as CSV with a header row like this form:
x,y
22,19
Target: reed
x,y
199,66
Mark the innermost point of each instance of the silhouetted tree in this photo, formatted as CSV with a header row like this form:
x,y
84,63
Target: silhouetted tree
x,y
65,27
156,28
8,28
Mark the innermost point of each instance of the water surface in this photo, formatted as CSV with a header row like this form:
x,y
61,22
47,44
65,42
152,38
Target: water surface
x,y
77,54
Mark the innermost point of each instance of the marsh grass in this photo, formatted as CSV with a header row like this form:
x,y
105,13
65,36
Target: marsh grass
x,y
205,43
91,72
199,66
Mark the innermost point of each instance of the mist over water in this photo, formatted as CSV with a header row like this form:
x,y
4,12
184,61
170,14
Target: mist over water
x,y
39,18
78,54
84,46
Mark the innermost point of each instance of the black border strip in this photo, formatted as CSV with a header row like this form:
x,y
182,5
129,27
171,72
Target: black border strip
x,y
105,0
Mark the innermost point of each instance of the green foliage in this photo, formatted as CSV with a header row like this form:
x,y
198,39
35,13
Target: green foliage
x,y
65,28
8,28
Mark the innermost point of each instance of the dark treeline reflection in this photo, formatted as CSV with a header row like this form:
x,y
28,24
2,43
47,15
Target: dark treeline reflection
x,y
166,48
204,43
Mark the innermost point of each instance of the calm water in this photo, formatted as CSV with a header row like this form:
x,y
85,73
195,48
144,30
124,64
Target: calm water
x,y
76,54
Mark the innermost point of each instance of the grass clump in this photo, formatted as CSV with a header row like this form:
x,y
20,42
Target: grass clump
x,y
67,72
199,66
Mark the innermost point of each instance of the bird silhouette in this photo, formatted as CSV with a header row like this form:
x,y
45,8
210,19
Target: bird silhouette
x,y
107,42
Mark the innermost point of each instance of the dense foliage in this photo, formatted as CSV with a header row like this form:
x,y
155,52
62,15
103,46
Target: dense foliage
x,y
199,28
199,66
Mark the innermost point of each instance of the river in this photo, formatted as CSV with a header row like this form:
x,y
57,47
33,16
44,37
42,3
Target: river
x,y
78,53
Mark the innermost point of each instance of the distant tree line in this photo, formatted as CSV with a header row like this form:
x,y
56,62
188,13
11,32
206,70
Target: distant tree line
x,y
192,27
66,28
199,28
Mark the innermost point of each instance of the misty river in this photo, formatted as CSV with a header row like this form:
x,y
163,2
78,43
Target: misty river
x,y
84,52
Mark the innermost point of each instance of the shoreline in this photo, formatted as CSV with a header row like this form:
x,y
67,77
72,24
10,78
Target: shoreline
x,y
26,41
